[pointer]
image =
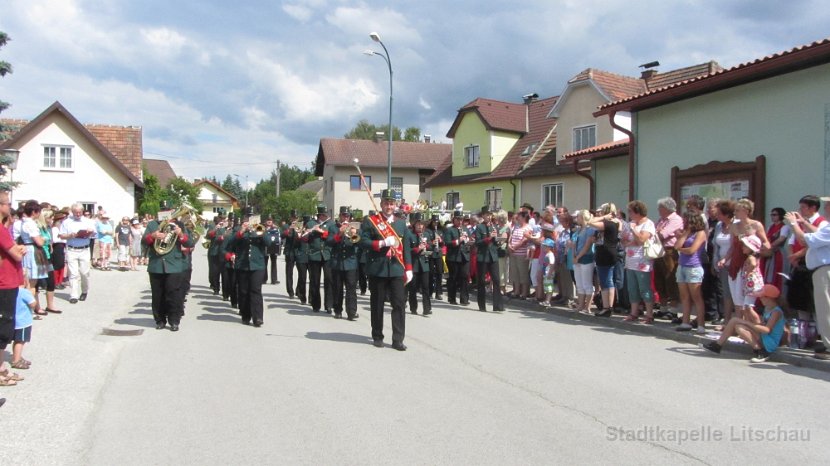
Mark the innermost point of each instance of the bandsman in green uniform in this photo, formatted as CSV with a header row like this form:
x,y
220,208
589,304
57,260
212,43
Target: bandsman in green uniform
x,y
419,245
289,238
487,260
216,259
318,255
167,272
458,260
249,247
389,267
343,241
436,259
301,259
230,258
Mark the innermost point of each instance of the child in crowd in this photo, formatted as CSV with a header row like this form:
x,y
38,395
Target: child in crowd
x,y
26,305
763,336
549,261
105,240
751,274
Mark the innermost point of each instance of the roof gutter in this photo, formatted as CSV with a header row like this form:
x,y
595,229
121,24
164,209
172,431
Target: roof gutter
x,y
591,184
514,193
631,157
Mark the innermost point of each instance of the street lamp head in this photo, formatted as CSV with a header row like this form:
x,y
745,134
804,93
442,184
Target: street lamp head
x,y
375,36
356,160
369,52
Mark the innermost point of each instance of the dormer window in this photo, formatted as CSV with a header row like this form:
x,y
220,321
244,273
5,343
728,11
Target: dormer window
x,y
471,156
584,137
529,150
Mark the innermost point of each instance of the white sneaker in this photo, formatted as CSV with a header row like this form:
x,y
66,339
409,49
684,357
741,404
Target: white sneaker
x,y
701,330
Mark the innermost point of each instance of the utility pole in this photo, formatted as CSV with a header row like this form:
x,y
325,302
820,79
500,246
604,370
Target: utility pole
x,y
278,177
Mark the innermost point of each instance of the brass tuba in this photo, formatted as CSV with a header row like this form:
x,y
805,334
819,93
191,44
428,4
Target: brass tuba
x,y
165,245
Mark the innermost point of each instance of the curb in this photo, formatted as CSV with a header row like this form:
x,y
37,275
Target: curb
x,y
665,330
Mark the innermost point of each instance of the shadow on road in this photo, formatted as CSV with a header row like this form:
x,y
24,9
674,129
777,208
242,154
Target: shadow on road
x,y
221,310
307,312
219,318
142,310
339,337
136,321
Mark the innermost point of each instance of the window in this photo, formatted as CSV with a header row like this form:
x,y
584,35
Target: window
x,y
452,200
471,156
215,197
422,180
397,185
552,194
529,150
492,198
88,206
584,137
57,157
354,182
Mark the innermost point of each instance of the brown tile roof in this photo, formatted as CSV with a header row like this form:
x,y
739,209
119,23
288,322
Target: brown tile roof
x,y
495,114
442,175
608,149
342,152
162,170
125,143
614,86
546,166
797,58
682,74
530,148
125,146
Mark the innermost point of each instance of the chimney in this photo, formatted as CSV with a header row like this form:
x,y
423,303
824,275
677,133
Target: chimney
x,y
427,138
648,74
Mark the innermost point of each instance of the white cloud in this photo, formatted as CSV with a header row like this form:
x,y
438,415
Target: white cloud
x,y
360,21
299,12
424,104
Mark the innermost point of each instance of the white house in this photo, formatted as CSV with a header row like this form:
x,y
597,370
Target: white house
x,y
61,161
213,198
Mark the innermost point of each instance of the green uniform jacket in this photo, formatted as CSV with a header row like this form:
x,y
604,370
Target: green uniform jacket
x,y
216,237
227,247
317,249
377,264
487,249
420,262
300,251
289,238
172,262
455,251
436,251
250,250
343,251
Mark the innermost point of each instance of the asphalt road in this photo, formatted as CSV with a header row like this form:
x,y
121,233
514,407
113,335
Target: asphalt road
x,y
474,388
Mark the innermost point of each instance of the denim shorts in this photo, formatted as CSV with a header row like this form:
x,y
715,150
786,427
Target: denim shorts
x,y
689,274
606,276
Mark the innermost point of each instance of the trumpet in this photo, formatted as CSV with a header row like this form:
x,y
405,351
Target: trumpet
x,y
257,228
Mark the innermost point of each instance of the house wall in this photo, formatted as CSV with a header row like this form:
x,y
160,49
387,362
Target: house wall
x,y
93,178
611,181
206,193
473,195
577,110
783,118
342,195
576,193
493,146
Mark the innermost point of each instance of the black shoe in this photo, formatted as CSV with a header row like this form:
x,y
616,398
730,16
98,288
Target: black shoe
x,y
352,318
378,343
338,315
603,312
291,296
302,301
315,310
414,312
712,346
453,303
675,321
482,310
174,327
160,325
246,322
427,313
73,301
83,297
328,311
362,293
465,303
399,346
498,310
235,306
276,282
2,402
215,292
438,297
224,298
257,323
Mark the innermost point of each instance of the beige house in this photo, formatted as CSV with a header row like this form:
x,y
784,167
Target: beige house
x,y
214,199
412,164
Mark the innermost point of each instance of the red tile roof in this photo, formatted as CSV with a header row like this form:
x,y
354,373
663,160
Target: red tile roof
x,y
162,170
442,175
124,141
539,141
495,114
342,152
798,58
608,149
215,186
682,74
614,86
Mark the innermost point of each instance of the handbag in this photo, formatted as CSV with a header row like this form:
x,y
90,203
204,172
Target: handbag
x,y
653,249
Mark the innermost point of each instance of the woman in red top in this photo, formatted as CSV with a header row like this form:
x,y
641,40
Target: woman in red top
x,y
772,261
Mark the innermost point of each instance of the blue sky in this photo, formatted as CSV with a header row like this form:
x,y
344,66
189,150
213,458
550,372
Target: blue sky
x,y
230,87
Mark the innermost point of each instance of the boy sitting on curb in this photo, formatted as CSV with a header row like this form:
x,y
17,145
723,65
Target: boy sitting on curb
x,y
764,337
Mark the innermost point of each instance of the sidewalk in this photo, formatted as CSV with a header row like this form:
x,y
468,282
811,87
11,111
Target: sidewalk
x,y
665,330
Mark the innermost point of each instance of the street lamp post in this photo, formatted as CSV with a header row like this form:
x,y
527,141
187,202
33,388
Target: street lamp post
x,y
13,154
376,37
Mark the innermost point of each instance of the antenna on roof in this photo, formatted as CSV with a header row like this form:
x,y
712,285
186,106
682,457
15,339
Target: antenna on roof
x,y
651,64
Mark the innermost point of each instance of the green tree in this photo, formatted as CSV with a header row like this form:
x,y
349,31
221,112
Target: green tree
x,y
182,191
5,160
150,201
368,131
305,202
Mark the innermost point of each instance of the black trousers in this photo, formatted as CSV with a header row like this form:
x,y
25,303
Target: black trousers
x,y
436,272
168,298
250,294
482,269
289,276
457,282
302,274
361,277
224,277
344,283
379,287
229,284
420,283
328,288
315,270
214,271
271,259
8,301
